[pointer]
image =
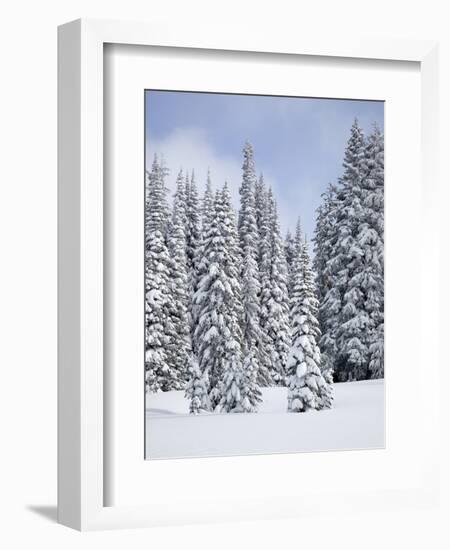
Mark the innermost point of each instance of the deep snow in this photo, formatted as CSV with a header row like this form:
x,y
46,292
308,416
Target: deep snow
x,y
356,421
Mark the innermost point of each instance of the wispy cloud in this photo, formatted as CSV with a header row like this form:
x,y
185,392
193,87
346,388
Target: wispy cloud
x,y
189,149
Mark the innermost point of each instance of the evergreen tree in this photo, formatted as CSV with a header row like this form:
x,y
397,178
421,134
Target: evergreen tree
x,y
199,265
247,213
216,335
193,243
274,297
326,269
193,231
207,204
179,344
197,389
307,389
157,210
249,275
232,398
352,345
158,373
264,215
323,240
298,239
232,264
240,391
180,204
293,247
289,252
209,302
371,240
260,203
376,350
252,395
159,323
375,182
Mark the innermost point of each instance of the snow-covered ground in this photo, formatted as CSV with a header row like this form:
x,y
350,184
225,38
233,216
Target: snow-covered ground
x,y
355,422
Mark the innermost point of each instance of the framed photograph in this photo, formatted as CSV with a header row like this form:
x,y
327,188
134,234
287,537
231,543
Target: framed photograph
x,y
244,330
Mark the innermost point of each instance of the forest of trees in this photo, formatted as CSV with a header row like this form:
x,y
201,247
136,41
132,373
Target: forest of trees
x,y
232,307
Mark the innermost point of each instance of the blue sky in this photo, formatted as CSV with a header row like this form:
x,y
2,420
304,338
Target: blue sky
x,y
298,142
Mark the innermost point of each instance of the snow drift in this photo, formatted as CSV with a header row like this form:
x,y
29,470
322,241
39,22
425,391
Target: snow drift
x,y
356,421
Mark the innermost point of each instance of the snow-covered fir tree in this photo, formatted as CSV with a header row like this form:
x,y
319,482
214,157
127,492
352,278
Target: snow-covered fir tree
x,y
307,388
264,261
298,238
160,330
260,202
217,332
264,223
197,388
324,240
207,203
289,252
199,266
274,296
194,223
187,194
193,242
249,274
157,211
376,350
179,208
371,240
351,336
326,269
247,190
293,247
158,373
208,298
251,391
240,391
233,261
375,181
231,395
179,345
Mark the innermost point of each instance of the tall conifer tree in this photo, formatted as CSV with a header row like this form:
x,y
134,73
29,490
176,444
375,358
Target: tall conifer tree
x,y
193,242
179,345
249,274
264,222
351,338
274,296
371,239
326,268
289,251
307,388
159,326
217,331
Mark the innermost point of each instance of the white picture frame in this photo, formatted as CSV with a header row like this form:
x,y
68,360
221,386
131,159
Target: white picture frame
x,y
83,485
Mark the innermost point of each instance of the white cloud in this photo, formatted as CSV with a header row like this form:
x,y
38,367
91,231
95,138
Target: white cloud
x,y
188,149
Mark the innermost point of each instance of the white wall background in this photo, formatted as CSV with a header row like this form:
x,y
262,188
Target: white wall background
x,y
28,270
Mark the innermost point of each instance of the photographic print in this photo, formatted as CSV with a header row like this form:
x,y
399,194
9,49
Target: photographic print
x,y
264,274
